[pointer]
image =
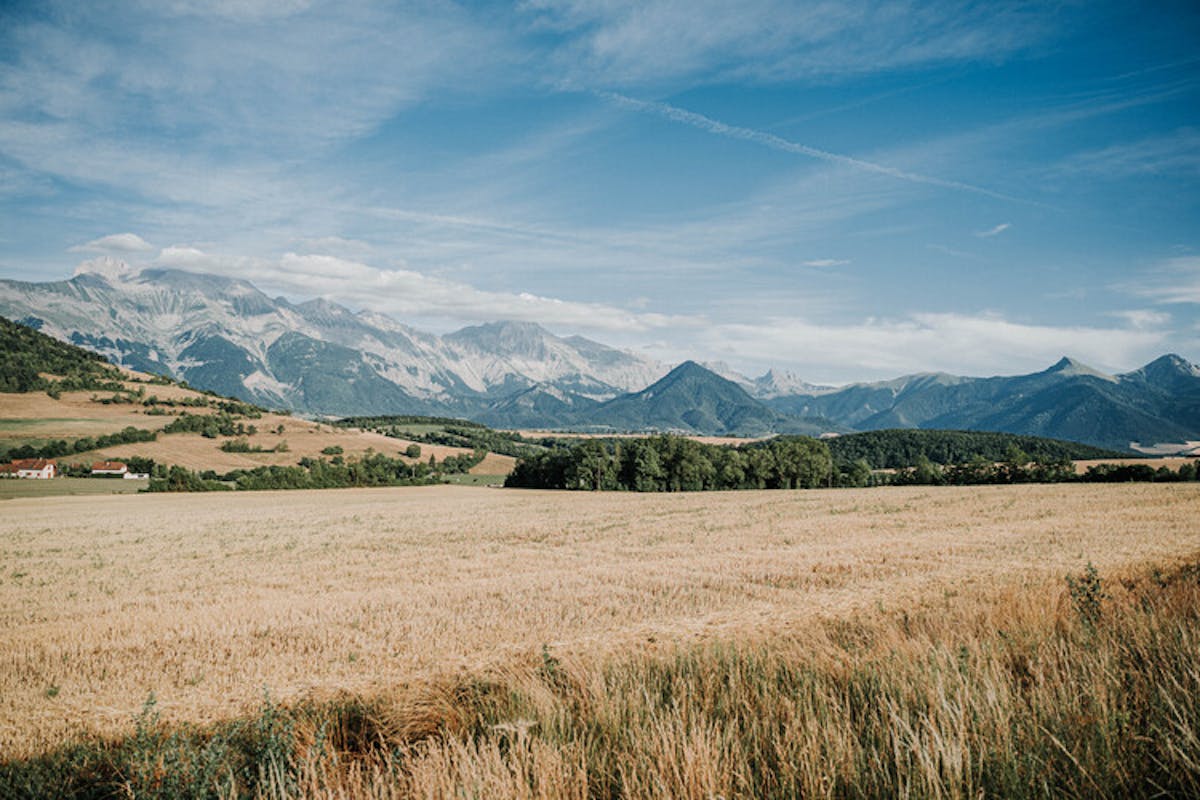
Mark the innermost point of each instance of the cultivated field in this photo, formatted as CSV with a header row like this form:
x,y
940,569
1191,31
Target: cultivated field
x,y
35,418
208,602
10,488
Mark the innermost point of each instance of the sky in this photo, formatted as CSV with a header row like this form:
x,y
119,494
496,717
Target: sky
x,y
846,190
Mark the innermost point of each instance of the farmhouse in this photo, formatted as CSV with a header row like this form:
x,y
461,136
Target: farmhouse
x,y
109,469
34,468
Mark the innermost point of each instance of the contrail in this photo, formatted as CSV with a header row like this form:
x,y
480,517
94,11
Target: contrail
x,y
779,143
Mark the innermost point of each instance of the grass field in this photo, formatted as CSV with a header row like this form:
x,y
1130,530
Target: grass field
x,y
207,605
60,487
474,479
35,418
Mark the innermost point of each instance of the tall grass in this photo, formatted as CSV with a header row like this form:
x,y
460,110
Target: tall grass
x,y
1044,692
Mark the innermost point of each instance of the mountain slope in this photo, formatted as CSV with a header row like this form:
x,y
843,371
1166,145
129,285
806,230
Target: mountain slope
x,y
224,334
1157,403
317,356
694,399
26,355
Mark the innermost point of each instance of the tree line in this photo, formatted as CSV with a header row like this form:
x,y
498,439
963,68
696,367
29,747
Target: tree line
x,y
903,447
677,464
669,463
373,469
61,447
1018,467
451,433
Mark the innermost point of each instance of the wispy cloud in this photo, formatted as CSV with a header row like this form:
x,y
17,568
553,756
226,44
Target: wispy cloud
x,y
950,251
1176,280
1174,155
1143,318
955,343
996,231
413,295
629,42
117,243
986,343
774,142
824,263
201,107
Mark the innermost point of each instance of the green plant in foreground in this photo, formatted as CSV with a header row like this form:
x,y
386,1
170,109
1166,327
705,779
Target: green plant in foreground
x,y
1087,596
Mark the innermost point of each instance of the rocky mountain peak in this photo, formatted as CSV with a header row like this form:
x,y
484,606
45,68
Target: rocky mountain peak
x,y
107,267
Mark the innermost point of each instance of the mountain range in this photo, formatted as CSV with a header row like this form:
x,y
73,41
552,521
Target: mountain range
x,y
319,357
225,335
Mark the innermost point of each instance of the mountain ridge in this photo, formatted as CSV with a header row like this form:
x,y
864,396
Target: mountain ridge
x,y
1159,402
320,357
206,328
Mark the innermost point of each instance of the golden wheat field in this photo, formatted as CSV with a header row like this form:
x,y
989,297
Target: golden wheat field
x,y
209,601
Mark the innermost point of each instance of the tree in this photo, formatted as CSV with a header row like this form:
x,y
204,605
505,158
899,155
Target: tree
x,y
731,468
801,462
856,474
593,467
1015,460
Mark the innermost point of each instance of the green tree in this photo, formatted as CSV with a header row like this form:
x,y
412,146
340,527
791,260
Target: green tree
x,y
593,468
856,474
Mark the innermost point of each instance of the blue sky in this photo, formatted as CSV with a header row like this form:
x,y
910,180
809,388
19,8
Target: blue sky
x,y
847,190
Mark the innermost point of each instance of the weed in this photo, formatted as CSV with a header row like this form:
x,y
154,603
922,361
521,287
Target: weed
x,y
1087,596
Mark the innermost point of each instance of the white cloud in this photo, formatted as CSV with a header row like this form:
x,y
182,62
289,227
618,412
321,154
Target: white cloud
x,y
1140,318
873,348
626,42
336,245
1176,280
413,295
774,142
1176,154
235,9
115,243
996,231
955,343
186,258
824,263
237,83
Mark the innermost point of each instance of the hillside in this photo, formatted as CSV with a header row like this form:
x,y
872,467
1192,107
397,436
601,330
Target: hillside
x,y
317,356
37,419
27,357
896,448
1157,403
693,399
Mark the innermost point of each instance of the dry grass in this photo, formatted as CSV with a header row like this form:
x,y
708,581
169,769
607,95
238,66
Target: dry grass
x,y
1172,463
72,416
207,601
37,417
10,489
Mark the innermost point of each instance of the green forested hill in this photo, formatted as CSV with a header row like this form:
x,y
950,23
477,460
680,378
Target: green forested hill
x,y
891,449
24,353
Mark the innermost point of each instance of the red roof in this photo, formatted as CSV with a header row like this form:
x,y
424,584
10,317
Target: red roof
x,y
33,463
108,466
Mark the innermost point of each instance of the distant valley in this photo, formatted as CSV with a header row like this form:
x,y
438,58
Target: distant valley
x,y
321,358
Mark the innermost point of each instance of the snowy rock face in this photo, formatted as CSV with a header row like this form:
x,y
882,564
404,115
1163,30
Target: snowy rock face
x,y
225,334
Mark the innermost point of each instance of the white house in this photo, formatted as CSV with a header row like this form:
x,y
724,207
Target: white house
x,y
32,468
109,469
